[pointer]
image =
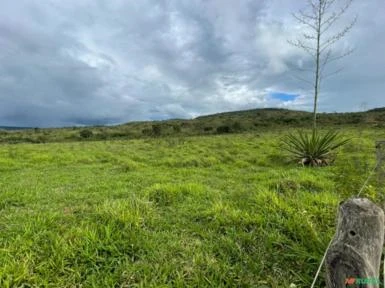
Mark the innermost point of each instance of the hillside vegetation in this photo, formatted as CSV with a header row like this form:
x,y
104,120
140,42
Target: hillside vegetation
x,y
207,202
231,122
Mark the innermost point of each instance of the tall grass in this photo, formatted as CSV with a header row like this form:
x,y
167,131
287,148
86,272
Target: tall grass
x,y
212,211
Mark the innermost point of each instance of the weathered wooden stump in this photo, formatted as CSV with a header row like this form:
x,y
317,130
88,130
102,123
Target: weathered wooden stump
x,y
380,155
355,251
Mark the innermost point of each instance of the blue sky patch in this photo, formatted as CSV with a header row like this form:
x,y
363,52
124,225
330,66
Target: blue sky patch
x,y
283,96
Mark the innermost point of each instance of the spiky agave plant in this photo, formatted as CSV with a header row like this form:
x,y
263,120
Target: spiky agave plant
x,y
313,149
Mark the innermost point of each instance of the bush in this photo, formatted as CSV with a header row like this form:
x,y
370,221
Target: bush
x,y
102,135
237,126
313,149
206,129
156,129
176,128
118,134
223,129
86,133
41,139
147,131
290,121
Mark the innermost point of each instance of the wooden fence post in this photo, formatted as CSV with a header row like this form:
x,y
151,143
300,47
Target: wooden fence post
x,y
380,152
355,252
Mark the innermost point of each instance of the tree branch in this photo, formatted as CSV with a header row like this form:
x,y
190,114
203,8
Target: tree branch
x,y
314,7
326,4
335,16
319,17
328,59
310,50
306,16
346,53
331,40
303,21
322,77
309,37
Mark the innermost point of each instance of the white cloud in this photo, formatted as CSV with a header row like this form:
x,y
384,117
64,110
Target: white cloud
x,y
68,62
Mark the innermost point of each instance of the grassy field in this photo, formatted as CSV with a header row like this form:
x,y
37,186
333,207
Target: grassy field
x,y
207,211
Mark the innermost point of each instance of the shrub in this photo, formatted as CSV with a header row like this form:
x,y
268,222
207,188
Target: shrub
x,y
118,134
41,139
156,129
290,121
206,129
86,133
223,129
313,149
237,126
102,135
147,131
176,128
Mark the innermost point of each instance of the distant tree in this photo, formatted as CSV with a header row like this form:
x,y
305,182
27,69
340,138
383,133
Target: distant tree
x,y
208,128
318,43
86,133
223,129
156,129
176,128
146,131
236,126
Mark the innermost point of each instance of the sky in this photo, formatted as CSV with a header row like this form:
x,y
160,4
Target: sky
x,y
93,62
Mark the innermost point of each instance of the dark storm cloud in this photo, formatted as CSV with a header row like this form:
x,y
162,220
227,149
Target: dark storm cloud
x,y
94,62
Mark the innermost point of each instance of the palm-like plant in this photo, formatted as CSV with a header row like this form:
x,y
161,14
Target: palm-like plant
x,y
313,149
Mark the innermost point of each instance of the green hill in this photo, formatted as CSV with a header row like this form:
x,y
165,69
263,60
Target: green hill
x,y
13,128
227,122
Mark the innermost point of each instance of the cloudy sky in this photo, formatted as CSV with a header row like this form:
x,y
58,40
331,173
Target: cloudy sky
x,y
85,62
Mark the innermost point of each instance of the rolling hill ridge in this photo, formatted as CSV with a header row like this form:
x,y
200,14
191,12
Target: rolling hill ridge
x,y
226,122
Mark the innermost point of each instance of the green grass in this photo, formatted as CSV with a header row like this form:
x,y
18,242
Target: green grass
x,y
208,211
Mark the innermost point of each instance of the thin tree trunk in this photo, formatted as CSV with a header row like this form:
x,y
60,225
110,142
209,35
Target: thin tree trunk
x,y
317,70
318,21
